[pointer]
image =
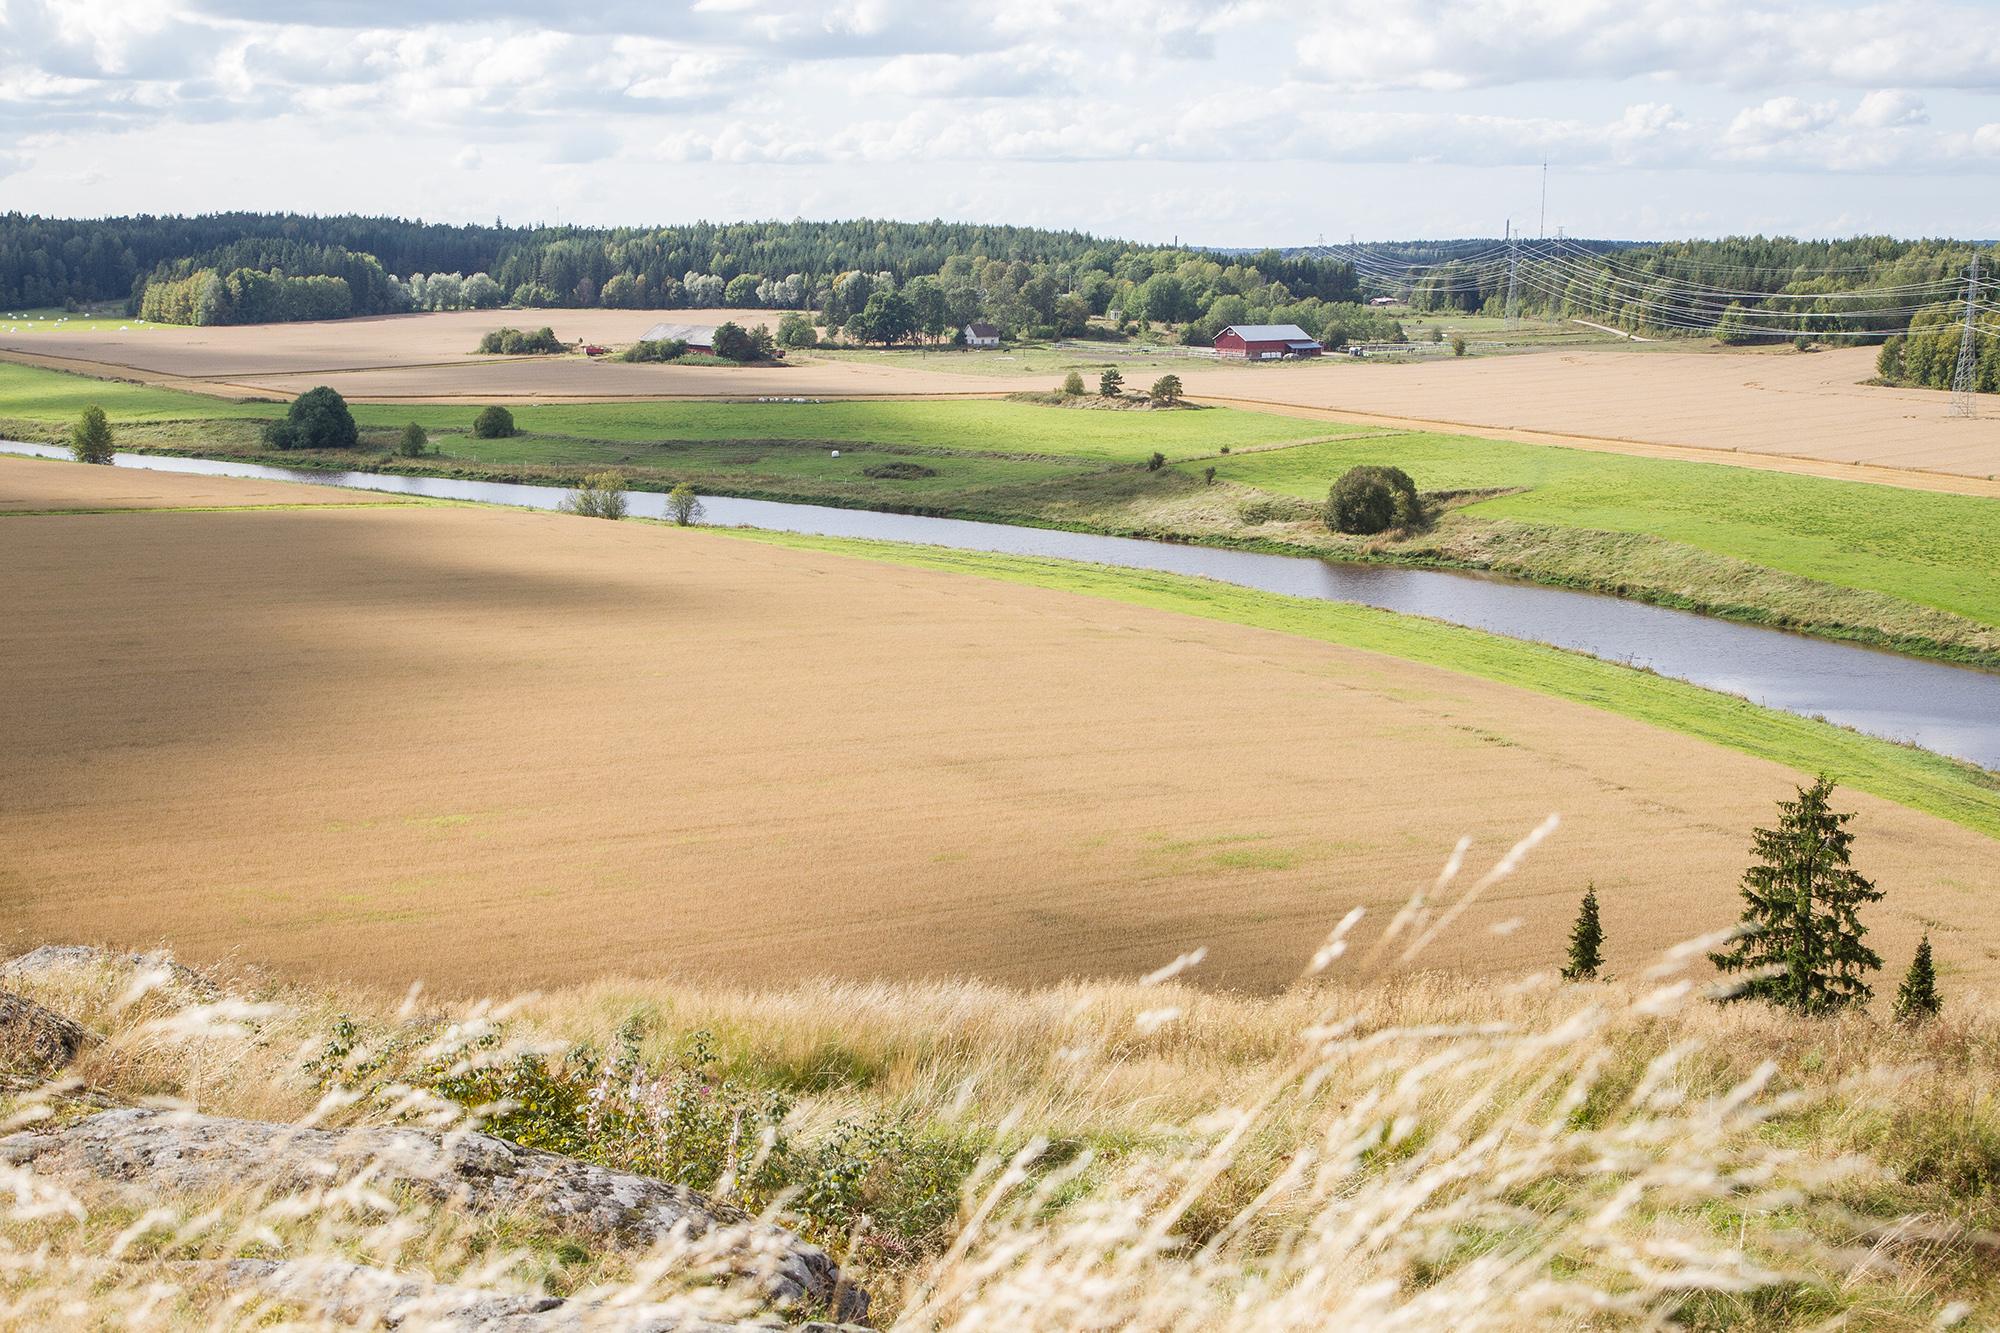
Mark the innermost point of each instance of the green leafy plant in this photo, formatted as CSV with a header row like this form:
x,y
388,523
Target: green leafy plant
x,y
494,423
414,442
683,506
90,438
1369,499
601,495
317,419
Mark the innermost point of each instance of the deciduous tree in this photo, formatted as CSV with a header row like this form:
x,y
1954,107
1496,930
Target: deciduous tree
x,y
90,438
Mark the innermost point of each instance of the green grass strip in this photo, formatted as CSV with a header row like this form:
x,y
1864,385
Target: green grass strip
x,y
1953,790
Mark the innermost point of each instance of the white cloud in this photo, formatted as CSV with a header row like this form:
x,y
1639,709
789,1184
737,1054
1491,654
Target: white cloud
x,y
1060,91
1780,120
1888,108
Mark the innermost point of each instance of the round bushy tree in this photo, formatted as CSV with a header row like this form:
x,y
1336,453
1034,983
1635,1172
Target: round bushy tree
x,y
415,440
318,419
493,423
1370,499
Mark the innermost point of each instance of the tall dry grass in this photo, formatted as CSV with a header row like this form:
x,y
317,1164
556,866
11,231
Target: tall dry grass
x,y
1427,1152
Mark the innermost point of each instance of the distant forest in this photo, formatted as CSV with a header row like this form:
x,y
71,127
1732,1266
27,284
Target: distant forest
x,y
1741,289
881,281
253,268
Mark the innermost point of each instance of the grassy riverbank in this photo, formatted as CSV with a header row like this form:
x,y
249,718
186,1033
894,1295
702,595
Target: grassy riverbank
x,y
1960,792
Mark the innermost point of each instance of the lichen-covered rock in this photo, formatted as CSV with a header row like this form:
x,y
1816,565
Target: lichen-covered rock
x,y
54,957
157,1151
377,1297
37,1038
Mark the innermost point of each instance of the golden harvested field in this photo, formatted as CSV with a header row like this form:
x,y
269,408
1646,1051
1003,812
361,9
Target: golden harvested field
x,y
429,357
500,748
1776,403
231,352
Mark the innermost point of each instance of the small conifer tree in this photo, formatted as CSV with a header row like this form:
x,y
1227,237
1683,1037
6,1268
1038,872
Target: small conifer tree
x,y
1917,998
1110,384
1586,941
1802,934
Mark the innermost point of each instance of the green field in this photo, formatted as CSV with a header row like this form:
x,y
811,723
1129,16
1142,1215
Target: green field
x,y
1917,778
50,397
1933,549
48,320
974,426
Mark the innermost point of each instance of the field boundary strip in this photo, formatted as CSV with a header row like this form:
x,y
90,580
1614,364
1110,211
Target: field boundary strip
x,y
1935,784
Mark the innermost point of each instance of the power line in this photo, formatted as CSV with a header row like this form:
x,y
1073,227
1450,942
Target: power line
x,y
1961,378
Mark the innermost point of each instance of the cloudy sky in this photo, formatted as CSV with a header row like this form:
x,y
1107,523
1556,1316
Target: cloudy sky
x,y
1224,123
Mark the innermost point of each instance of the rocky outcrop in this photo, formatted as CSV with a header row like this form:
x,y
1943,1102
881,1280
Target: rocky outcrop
x,y
35,1038
376,1297
155,1151
56,957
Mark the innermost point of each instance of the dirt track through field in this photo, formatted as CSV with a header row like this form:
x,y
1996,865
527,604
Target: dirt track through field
x,y
501,748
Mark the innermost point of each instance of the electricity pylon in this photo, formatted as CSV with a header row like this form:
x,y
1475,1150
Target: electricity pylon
x,y
1961,379
1513,278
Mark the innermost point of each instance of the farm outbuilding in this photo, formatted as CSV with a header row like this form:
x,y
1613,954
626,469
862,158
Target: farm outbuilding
x,y
1266,342
698,337
981,335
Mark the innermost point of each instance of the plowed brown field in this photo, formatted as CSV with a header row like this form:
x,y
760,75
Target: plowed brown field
x,y
499,748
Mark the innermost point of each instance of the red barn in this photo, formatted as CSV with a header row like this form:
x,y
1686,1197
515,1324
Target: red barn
x,y
1266,342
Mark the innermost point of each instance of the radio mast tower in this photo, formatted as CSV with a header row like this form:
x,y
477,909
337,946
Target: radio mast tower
x,y
1961,379
1513,277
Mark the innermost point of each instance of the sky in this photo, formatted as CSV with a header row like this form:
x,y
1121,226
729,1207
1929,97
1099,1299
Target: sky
x,y
1229,124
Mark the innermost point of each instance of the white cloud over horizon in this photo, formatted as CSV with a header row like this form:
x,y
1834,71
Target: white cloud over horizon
x,y
1166,117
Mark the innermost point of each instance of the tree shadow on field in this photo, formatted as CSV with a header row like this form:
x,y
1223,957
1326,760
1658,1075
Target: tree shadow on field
x,y
129,632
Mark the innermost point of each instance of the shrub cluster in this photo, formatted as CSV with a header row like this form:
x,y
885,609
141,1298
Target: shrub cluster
x,y
317,419
602,495
659,349
1370,499
685,1120
898,471
494,423
519,342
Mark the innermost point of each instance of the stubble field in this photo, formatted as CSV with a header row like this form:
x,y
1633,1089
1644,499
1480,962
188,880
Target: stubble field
x,y
502,749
